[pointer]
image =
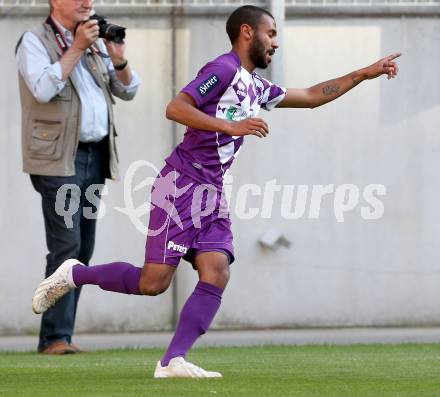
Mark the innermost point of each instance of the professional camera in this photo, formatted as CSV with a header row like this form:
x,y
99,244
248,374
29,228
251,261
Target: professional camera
x,y
109,31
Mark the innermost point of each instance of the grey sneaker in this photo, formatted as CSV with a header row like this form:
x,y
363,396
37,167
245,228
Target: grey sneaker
x,y
54,287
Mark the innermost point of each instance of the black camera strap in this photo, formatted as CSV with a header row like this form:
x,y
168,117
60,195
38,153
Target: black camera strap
x,y
61,40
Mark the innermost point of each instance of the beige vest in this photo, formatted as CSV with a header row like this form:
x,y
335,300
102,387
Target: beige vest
x,y
50,131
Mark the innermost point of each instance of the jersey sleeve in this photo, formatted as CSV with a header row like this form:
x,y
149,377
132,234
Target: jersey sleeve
x,y
211,82
272,95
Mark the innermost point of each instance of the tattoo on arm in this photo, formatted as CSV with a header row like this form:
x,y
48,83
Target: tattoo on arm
x,y
330,89
354,80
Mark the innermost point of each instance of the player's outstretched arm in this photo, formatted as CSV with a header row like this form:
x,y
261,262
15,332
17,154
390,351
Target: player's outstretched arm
x,y
183,110
323,93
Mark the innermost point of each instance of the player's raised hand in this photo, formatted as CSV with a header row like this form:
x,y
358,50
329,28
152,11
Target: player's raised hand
x,y
385,65
252,126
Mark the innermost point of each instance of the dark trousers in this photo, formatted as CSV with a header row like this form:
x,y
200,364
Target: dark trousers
x,y
63,242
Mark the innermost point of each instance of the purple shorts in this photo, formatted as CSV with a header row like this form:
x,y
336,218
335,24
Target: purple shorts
x,y
187,218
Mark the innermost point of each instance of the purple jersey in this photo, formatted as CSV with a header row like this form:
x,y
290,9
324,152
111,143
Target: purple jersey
x,y
223,89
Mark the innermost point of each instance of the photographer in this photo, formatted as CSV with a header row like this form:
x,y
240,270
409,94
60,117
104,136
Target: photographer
x,y
67,78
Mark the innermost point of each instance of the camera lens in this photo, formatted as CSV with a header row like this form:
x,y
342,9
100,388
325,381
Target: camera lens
x,y
109,31
114,33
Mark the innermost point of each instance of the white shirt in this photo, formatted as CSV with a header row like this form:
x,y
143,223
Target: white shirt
x,y
44,80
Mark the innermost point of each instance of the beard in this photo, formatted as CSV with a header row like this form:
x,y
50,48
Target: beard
x,y
258,52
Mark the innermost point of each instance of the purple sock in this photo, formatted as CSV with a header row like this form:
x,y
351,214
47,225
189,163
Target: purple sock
x,y
117,277
195,319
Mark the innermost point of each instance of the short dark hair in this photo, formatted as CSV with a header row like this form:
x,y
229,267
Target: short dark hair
x,y
250,15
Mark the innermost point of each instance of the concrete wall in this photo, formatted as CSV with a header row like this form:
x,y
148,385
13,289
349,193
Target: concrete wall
x,y
356,272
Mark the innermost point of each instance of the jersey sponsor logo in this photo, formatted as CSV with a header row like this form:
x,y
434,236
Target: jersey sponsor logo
x,y
176,247
206,87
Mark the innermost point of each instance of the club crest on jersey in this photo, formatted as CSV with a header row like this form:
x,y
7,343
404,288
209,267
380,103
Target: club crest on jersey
x,y
237,114
206,87
231,112
176,247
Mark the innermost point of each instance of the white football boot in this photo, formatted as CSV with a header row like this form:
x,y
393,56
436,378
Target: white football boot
x,y
179,368
54,287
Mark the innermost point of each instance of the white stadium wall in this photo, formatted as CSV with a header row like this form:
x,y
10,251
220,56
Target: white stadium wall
x,y
357,272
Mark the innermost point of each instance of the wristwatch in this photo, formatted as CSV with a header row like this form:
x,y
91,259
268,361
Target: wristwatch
x,y
122,66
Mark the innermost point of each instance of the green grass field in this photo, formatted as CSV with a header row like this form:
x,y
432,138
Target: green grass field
x,y
327,371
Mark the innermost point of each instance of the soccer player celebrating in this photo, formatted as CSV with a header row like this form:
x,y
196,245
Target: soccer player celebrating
x,y
189,218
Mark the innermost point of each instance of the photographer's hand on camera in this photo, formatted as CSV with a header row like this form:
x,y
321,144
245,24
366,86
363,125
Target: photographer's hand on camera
x,y
116,51
85,35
